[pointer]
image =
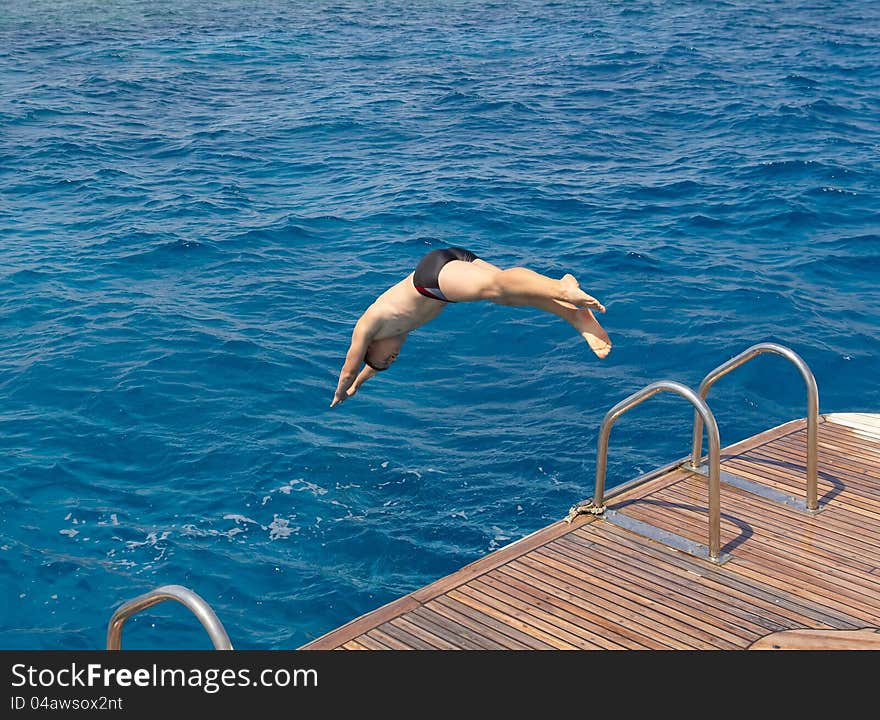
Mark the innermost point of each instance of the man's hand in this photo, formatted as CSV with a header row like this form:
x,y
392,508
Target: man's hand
x,y
362,377
337,399
342,398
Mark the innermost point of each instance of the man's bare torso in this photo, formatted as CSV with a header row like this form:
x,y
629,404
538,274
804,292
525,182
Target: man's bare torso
x,y
401,309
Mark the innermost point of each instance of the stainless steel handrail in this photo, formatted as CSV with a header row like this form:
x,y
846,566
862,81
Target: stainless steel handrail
x,y
812,502
183,595
714,451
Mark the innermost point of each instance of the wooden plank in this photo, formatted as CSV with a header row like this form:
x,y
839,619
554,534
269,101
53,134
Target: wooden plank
x,y
665,597
352,645
630,596
460,632
670,473
760,572
852,474
784,518
562,603
513,617
371,643
800,536
657,601
531,619
831,583
663,587
386,636
844,438
841,444
408,624
652,553
845,443
617,609
828,497
561,623
824,537
833,529
853,468
765,468
493,632
833,440
758,470
827,433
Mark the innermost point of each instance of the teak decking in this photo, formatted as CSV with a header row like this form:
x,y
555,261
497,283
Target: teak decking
x,y
594,585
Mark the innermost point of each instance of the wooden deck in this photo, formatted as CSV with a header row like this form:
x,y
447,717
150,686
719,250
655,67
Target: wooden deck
x,y
594,585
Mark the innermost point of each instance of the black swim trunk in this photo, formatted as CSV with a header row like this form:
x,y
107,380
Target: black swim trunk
x,y
428,270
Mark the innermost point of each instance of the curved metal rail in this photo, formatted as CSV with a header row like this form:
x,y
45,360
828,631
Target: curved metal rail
x,y
812,503
183,595
703,411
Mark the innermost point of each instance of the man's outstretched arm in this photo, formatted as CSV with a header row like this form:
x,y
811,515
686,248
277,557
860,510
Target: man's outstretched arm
x,y
361,337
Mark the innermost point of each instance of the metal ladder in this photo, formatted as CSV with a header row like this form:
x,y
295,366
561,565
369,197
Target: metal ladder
x,y
811,502
186,597
703,417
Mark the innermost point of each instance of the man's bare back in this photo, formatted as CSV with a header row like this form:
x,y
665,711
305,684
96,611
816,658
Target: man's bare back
x,y
457,275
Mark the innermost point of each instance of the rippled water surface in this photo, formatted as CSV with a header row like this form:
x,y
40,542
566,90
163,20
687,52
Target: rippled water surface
x,y
197,203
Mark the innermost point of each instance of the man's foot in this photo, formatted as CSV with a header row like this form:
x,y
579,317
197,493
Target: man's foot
x,y
590,329
572,293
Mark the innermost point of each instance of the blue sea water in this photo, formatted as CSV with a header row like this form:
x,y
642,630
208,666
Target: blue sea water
x,y
197,201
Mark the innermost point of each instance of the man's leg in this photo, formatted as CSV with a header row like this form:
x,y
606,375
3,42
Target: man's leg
x,y
481,280
467,282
